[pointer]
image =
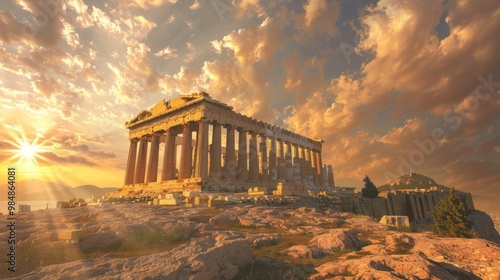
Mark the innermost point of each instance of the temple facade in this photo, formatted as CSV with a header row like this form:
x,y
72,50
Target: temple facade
x,y
197,143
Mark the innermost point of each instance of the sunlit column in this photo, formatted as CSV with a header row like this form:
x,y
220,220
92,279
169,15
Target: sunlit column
x,y
132,154
140,169
186,153
273,174
153,158
202,150
296,164
308,166
230,164
242,155
302,163
264,174
319,166
215,152
281,161
314,162
168,168
288,163
254,159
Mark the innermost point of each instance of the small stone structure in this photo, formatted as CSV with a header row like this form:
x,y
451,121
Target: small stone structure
x,y
72,235
24,208
399,221
291,189
257,191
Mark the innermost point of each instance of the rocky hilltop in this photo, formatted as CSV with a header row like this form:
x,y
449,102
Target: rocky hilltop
x,y
412,181
131,241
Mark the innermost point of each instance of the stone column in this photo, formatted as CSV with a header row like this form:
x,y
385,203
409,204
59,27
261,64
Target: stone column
x,y
288,163
201,165
153,158
132,155
140,169
186,153
303,169
309,170
264,174
215,152
296,164
168,169
242,156
230,163
273,172
314,162
319,166
331,181
253,169
281,161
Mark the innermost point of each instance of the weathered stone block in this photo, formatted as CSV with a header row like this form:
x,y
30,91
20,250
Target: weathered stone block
x,y
72,235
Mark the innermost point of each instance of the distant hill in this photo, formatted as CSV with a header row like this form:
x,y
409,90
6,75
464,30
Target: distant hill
x,y
40,190
412,180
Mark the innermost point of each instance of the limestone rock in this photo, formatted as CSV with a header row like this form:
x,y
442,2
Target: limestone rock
x,y
228,218
337,239
390,267
208,258
302,251
484,226
263,240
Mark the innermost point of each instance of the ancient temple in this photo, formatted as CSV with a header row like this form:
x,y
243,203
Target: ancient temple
x,y
205,145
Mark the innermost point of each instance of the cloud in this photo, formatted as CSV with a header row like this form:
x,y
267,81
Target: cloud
x,y
83,18
51,158
430,73
170,19
46,21
319,18
167,53
195,6
147,4
139,26
191,51
103,21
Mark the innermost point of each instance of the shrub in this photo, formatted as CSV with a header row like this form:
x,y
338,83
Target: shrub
x,y
451,218
369,190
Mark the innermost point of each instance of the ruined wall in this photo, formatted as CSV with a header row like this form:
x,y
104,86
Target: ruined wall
x,y
416,205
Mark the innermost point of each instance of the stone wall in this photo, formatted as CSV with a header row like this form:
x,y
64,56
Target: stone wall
x,y
416,205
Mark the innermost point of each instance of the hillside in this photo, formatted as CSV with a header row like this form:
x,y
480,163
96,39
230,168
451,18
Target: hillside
x,y
412,180
247,241
40,190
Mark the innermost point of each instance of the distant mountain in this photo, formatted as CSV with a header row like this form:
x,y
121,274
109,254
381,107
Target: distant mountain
x,y
40,190
412,180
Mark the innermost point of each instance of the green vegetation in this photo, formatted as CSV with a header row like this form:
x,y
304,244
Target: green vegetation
x,y
142,238
259,270
402,247
451,218
369,190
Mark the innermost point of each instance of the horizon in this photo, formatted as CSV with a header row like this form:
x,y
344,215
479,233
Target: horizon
x,y
391,87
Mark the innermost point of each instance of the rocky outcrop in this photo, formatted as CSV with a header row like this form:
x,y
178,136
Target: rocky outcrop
x,y
216,244
390,267
484,227
302,251
337,239
219,257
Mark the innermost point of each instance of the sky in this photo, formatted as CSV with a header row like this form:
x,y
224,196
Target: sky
x,y
390,86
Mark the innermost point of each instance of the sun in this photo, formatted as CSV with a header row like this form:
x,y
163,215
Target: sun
x,y
28,152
